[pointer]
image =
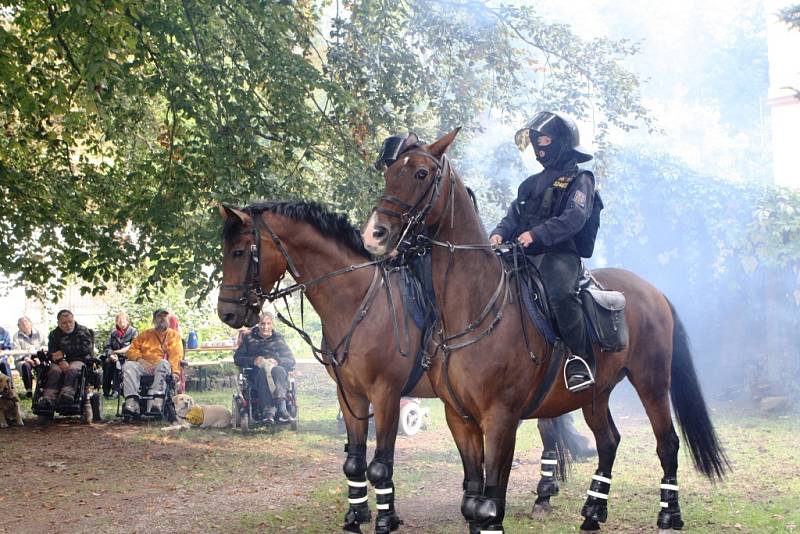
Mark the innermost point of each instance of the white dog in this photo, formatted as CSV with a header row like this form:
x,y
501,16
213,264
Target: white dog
x,y
198,415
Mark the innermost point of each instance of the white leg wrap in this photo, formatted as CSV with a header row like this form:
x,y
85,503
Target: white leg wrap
x,y
357,500
597,494
549,462
672,487
547,473
383,491
664,504
382,506
601,479
356,484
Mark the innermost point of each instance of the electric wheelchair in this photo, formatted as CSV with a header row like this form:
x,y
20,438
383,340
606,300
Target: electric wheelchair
x,y
167,412
87,402
248,411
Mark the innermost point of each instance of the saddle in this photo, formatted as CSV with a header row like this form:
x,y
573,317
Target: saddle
x,y
603,309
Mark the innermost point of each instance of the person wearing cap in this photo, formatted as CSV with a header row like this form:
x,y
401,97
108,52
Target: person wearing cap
x,y
155,352
549,219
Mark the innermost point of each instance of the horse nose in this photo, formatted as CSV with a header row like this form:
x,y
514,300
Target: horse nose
x,y
228,318
380,232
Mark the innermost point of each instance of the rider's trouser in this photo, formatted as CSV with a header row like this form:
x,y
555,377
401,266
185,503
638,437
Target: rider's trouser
x,y
560,273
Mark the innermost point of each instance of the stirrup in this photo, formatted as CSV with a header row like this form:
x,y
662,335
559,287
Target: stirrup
x,y
586,384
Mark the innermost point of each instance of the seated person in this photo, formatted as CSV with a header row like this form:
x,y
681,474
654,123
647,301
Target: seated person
x,y
5,344
156,352
119,341
265,349
27,338
69,346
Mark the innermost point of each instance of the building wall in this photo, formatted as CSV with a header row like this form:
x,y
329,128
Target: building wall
x,y
784,74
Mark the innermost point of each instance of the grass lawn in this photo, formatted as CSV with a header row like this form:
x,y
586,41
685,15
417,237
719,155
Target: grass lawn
x,y
222,481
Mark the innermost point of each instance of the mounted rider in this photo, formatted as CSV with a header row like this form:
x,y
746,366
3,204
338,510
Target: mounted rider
x,y
549,218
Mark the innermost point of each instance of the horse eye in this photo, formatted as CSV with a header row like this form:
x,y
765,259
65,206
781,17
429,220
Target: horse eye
x,y
237,253
421,174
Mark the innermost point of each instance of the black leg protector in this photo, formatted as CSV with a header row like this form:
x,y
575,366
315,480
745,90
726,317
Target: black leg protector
x,y
491,509
548,486
379,474
670,515
595,510
355,468
473,490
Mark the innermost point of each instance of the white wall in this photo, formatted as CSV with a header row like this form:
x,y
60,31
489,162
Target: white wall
x,y
784,73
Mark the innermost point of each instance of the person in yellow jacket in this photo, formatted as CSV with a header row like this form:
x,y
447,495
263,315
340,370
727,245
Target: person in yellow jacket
x,y
155,352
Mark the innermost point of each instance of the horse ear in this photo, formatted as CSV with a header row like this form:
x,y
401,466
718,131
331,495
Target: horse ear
x,y
441,145
230,213
410,139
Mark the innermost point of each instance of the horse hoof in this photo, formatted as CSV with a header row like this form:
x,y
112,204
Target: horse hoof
x,y
542,509
589,526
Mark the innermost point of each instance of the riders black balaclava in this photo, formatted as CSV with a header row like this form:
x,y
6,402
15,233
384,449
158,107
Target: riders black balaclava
x,y
555,155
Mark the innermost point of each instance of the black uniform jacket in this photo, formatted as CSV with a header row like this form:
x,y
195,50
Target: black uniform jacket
x,y
552,231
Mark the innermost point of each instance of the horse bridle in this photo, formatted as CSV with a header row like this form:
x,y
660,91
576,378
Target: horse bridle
x,y
413,216
253,295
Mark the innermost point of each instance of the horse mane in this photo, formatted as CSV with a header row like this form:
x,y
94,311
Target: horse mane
x,y
328,223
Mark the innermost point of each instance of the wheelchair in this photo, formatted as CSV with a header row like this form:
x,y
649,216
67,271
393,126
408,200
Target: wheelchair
x,y
247,410
87,403
167,412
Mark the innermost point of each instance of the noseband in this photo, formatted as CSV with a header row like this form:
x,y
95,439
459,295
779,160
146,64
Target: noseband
x,y
253,295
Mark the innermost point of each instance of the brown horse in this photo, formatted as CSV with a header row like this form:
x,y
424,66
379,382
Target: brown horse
x,y
311,242
483,370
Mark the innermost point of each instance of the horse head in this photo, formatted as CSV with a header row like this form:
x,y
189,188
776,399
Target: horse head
x,y
251,266
418,187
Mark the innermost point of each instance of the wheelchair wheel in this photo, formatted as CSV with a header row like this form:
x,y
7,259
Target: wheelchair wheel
x,y
236,412
97,407
169,411
410,419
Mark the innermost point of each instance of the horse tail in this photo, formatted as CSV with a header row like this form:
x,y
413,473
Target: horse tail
x,y
568,438
690,407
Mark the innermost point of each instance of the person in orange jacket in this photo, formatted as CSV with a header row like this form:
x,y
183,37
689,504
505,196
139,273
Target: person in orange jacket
x,y
155,352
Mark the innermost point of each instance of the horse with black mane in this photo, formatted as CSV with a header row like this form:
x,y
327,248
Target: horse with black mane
x,y
369,347
493,367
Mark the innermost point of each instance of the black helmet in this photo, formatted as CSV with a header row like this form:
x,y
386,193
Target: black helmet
x,y
389,151
555,125
392,147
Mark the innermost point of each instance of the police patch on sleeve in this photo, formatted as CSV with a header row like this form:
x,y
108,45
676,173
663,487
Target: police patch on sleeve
x,y
580,198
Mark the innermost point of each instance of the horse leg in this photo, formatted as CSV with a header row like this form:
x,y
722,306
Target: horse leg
x,y
355,466
595,509
469,440
500,431
548,485
380,470
667,444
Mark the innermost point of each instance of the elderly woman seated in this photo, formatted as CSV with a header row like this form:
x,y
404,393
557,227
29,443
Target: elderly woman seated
x,y
265,349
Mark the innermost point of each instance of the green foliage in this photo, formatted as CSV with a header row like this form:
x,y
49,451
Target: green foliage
x,y
706,221
791,16
125,122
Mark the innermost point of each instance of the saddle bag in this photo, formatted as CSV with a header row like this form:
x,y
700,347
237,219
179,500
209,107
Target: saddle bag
x,y
605,312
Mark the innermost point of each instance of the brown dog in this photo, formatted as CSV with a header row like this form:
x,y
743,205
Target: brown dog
x,y
9,403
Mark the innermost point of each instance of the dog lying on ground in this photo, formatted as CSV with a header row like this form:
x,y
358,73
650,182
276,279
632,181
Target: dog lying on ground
x,y
9,403
198,415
